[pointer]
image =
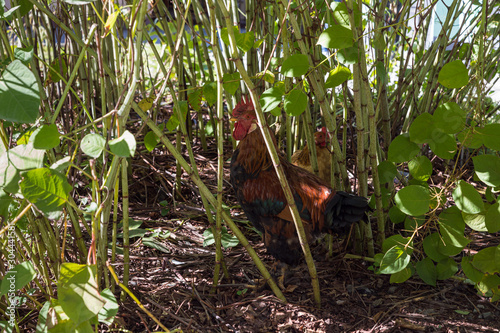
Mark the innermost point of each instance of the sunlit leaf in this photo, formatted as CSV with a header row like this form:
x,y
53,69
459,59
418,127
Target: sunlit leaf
x,y
413,200
467,198
402,149
124,146
295,65
336,37
295,102
453,75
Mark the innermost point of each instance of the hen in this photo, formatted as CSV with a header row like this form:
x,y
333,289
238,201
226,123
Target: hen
x,y
302,159
260,194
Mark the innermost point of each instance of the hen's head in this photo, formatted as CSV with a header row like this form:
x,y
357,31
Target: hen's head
x,y
245,118
321,137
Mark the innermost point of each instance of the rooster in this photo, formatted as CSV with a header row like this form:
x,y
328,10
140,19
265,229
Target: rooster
x,y
301,158
261,196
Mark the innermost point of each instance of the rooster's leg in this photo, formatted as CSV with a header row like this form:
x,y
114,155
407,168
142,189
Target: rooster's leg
x,y
279,273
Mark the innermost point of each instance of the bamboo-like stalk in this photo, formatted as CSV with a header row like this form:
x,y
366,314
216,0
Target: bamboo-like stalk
x,y
274,157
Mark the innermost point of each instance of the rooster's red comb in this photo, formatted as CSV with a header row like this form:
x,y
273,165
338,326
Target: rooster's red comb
x,y
245,104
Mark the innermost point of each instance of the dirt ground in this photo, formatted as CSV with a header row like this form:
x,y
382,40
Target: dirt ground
x,y
175,283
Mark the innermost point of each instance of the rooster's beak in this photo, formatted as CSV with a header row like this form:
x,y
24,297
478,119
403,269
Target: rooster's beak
x,y
233,119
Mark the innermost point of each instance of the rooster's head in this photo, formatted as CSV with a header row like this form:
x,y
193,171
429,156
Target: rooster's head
x,y
245,118
321,137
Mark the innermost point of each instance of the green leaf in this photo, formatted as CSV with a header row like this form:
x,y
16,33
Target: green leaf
x,y
398,240
485,261
487,168
78,2
78,293
194,98
348,56
124,146
450,118
395,259
490,135
420,168
470,138
476,222
24,54
231,82
25,157
267,75
17,277
431,247
443,145
422,128
210,92
338,76
110,309
93,145
427,271
151,140
270,99
401,149
45,137
295,65
396,215
9,175
244,41
227,239
47,189
295,102
387,171
446,269
470,271
173,121
413,200
452,228
402,275
453,75
336,37
19,94
492,219
467,199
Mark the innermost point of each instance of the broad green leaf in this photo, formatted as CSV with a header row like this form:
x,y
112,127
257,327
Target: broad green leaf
x,y
452,228
421,128
17,277
295,65
245,41
210,92
467,199
446,268
25,157
194,98
348,56
227,239
492,219
413,200
387,171
402,149
420,168
396,215
336,37
395,259
295,102
78,293
427,271
413,222
110,308
443,145
485,261
453,75
151,140
231,82
124,146
431,247
470,138
398,240
470,271
173,121
9,175
476,222
450,118
338,76
45,137
402,275
487,168
46,188
93,145
24,54
270,99
5,202
19,94
490,135
267,75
